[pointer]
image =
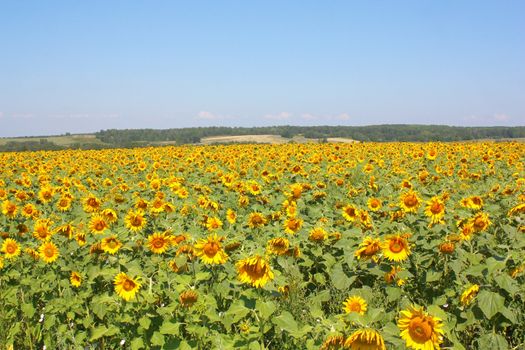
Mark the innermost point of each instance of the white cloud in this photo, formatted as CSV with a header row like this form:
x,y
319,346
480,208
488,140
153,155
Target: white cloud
x,y
308,116
205,115
327,117
278,116
342,116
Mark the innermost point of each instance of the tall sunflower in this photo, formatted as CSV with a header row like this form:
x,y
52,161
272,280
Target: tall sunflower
x,y
98,224
75,279
435,210
410,202
368,248
365,339
10,248
469,294
125,286
356,304
278,246
110,245
396,248
210,250
158,243
48,252
254,270
420,330
135,220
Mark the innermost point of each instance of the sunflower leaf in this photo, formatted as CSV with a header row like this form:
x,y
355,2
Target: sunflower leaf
x,y
490,303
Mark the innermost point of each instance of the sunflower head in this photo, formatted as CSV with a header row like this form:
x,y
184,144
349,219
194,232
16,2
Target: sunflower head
x,y
254,270
356,304
188,298
125,286
368,248
365,339
333,342
420,330
158,243
10,248
110,245
75,279
278,246
48,252
396,248
469,294
210,250
410,202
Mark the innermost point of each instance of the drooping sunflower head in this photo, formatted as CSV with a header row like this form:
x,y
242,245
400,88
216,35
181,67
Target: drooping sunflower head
x,y
420,330
75,279
10,248
350,213
396,248
256,219
125,286
254,270
110,245
210,250
48,252
109,215
318,234
469,294
368,248
188,298
365,339
410,202
278,246
158,243
333,342
480,222
292,225
356,304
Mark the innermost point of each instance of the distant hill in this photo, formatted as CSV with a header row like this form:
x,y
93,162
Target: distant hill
x,y
272,134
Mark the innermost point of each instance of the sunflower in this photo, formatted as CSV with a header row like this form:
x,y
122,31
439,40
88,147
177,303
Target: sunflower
x,y
473,202
396,248
292,225
10,248
435,210
188,298
29,210
420,330
333,342
1,262
75,279
469,294
480,222
9,209
318,234
410,202
520,208
365,339
135,220
48,252
46,194
110,245
210,250
32,253
158,243
109,215
91,204
447,247
98,224
42,229
374,204
368,248
256,220
254,270
125,286
278,246
350,213
231,216
355,304
64,203
213,223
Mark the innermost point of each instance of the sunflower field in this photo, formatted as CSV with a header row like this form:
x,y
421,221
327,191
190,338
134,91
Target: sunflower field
x,y
296,246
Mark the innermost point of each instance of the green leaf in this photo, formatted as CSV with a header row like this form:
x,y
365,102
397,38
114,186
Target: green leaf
x,y
169,328
490,303
507,283
145,322
137,344
493,341
157,339
339,279
28,310
98,332
265,308
433,276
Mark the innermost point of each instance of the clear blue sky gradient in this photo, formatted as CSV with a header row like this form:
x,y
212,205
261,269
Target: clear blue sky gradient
x,y
82,66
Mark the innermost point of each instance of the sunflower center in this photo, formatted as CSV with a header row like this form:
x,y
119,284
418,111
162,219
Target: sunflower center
x,y
100,225
211,248
420,329
256,271
112,244
136,221
410,201
355,307
436,208
396,246
371,249
49,252
158,243
128,285
11,248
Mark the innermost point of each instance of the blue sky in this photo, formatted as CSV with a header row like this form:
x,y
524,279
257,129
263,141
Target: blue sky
x,y
82,66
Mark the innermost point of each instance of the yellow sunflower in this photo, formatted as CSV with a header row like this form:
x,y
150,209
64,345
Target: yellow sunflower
x,y
188,298
210,250
256,220
91,204
374,204
231,216
135,220
64,203
10,248
9,209
480,222
350,213
158,243
48,252
435,210
126,287
469,294
75,279
110,245
365,339
396,248
42,230
278,246
292,225
333,342
420,330
318,234
355,304
410,202
254,270
98,224
213,223
368,248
